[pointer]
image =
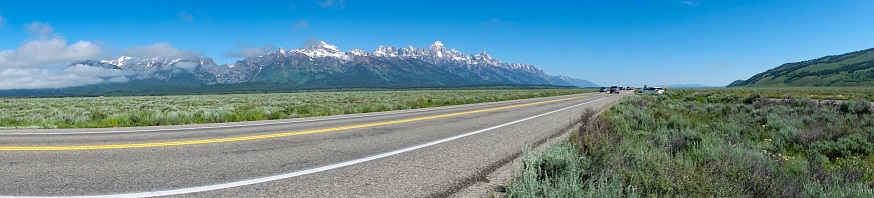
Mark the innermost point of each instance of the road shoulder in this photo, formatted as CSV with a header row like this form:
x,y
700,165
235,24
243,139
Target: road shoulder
x,y
493,180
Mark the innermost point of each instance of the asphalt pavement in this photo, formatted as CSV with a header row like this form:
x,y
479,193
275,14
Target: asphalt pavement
x,y
431,152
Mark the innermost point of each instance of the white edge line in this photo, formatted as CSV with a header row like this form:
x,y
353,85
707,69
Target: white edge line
x,y
285,122
312,170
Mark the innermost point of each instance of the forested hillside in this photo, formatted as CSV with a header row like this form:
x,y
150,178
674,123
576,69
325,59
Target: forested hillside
x,y
851,69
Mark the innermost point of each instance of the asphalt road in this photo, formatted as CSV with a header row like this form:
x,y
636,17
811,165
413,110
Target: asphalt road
x,y
431,152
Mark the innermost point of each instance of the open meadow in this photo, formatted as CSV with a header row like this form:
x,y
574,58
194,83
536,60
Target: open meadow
x,y
837,93
97,112
712,143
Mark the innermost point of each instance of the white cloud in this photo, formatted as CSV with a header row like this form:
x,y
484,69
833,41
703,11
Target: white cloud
x,y
39,28
492,22
37,63
720,64
301,25
185,17
185,65
249,52
47,53
690,3
78,75
87,70
119,79
160,50
310,41
331,3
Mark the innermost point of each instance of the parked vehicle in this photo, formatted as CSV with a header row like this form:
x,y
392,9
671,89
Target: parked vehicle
x,y
614,89
604,89
657,90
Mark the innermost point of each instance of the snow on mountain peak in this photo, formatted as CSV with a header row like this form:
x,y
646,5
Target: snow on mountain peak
x,y
357,52
437,46
384,51
322,49
330,47
117,62
484,55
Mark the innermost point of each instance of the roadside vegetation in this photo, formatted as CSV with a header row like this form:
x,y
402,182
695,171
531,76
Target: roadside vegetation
x,y
699,143
96,112
834,93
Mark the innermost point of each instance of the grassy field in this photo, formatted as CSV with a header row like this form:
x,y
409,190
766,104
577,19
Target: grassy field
x,y
702,143
96,112
839,93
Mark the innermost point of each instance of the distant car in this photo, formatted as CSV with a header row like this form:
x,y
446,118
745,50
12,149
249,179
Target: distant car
x,y
614,89
604,89
657,90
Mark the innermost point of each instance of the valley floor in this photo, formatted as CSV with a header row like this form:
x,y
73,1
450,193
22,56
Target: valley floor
x,y
130,111
709,143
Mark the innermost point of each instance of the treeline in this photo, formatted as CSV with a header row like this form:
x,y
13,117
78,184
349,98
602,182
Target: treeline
x,y
789,69
851,69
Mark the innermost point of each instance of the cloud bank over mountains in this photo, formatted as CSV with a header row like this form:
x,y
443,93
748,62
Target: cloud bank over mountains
x,y
48,60
39,62
160,50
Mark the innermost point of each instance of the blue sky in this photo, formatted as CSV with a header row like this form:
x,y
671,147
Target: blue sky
x,y
607,42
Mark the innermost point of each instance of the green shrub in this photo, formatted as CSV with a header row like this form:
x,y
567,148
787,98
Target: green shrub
x,y
188,109
689,143
560,170
860,106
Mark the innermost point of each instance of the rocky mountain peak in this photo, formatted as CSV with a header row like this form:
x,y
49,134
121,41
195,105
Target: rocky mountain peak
x,y
437,46
385,51
484,55
322,49
322,46
385,62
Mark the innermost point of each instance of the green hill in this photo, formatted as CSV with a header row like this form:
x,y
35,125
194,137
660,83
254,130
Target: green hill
x,y
846,70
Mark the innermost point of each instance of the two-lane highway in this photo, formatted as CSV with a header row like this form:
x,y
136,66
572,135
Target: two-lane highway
x,y
421,152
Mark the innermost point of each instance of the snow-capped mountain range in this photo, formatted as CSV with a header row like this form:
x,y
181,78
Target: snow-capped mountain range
x,y
325,65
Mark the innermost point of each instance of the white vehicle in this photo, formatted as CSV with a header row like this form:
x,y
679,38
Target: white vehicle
x,y
657,90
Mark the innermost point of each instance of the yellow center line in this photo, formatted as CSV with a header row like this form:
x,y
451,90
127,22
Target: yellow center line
x,y
255,137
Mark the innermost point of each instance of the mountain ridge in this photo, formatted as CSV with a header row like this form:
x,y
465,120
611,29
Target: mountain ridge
x,y
849,69
323,64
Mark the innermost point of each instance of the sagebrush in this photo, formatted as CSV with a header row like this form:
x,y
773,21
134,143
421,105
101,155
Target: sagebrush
x,y
699,143
95,112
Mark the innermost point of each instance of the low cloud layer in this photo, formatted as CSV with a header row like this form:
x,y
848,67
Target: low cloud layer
x,y
301,25
492,22
44,53
310,42
185,17
720,64
78,75
40,62
332,3
185,65
251,51
690,3
160,50
34,65
39,28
